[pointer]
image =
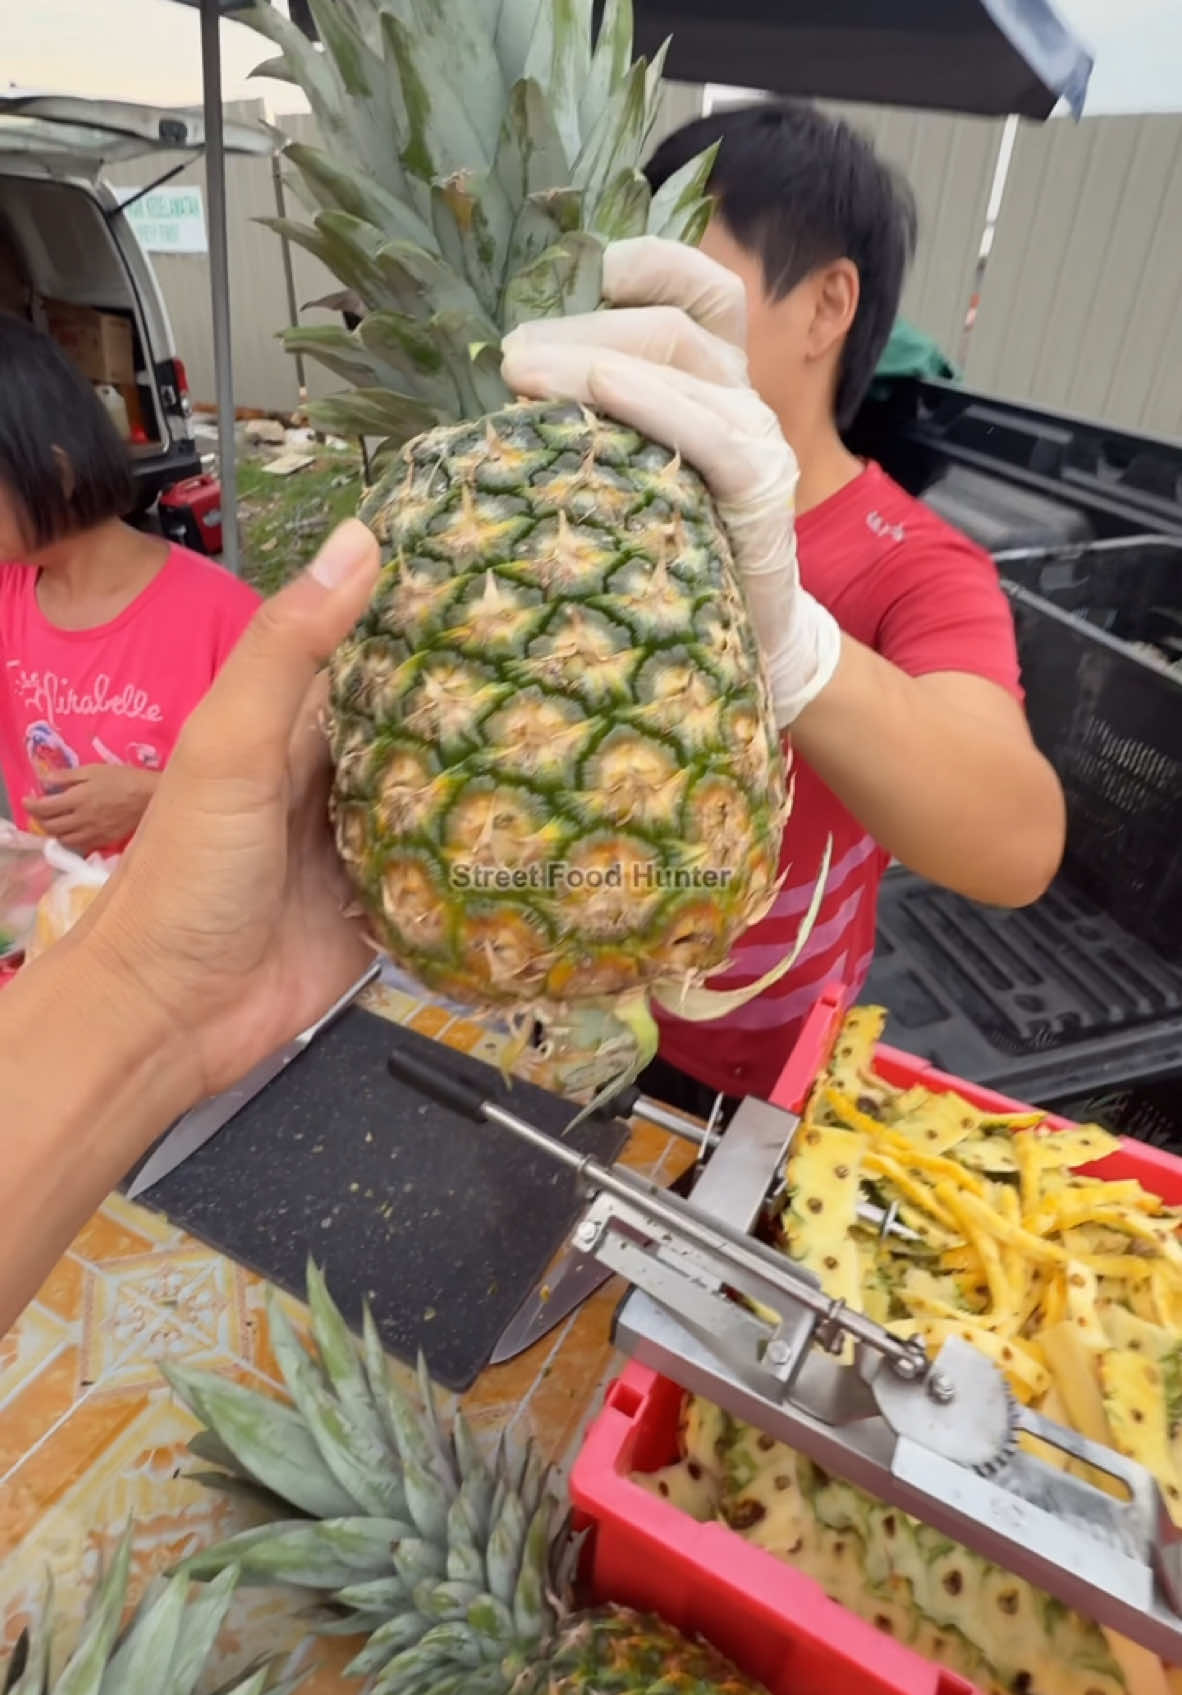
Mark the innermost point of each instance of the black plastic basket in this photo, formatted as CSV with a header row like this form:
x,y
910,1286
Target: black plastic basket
x,y
1042,1003
1079,996
1149,1112
1109,718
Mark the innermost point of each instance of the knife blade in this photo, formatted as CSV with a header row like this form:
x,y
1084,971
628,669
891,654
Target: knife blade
x,y
203,1121
577,1276
572,1281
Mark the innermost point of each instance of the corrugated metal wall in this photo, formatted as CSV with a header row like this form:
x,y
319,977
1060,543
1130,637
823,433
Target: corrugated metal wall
x,y
1080,305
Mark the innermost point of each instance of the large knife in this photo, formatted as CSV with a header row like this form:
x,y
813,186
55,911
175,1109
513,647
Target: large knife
x,y
195,1128
573,1280
577,1276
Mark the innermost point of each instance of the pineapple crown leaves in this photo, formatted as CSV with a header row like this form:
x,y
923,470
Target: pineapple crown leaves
x,y
476,157
447,1562
163,1650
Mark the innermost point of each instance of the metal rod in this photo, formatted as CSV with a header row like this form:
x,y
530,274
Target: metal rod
x,y
288,273
716,1237
219,275
675,1122
878,1218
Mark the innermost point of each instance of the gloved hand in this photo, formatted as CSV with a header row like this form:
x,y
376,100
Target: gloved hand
x,y
670,361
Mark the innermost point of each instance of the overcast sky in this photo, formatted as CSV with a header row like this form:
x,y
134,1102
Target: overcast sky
x,y
150,50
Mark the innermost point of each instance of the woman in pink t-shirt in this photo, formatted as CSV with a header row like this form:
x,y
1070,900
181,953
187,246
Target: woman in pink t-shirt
x,y
108,637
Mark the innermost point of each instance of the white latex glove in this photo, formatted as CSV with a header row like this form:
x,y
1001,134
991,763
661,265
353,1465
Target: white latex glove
x,y
670,360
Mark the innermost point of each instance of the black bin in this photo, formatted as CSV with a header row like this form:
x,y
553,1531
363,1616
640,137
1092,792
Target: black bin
x,y
1077,998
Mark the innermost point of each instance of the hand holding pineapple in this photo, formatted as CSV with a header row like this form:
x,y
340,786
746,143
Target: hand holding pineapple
x,y
670,360
223,932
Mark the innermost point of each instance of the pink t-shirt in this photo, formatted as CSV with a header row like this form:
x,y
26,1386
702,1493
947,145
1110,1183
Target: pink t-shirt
x,y
118,693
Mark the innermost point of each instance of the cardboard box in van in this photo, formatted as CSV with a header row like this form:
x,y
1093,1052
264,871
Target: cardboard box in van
x,y
99,343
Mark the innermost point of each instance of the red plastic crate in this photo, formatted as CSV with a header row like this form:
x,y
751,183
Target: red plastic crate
x,y
776,1624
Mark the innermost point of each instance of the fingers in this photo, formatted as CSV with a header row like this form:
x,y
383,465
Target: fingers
x,y
252,707
713,429
663,334
52,809
71,777
647,271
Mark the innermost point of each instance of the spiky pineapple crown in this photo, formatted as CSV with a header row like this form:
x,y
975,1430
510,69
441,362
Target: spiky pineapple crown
x,y
477,156
164,1650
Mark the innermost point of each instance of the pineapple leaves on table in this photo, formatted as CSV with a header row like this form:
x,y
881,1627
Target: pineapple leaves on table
x,y
469,1588
557,675
164,1650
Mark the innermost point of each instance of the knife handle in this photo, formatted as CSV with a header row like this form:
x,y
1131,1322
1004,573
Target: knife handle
x,y
434,1082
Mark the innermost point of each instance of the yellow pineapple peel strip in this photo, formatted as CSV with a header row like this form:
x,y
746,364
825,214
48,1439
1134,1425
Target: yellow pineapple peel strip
x,y
1082,1144
1013,1235
853,1051
1125,1330
824,1181
1135,1405
898,1147
1080,1286
986,1245
1017,1267
882,1165
1120,1207
1028,1377
700,1005
1027,1150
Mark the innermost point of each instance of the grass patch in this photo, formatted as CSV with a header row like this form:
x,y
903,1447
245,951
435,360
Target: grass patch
x,y
283,520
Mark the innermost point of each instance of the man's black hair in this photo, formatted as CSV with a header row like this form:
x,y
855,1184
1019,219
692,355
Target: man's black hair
x,y
801,189
61,458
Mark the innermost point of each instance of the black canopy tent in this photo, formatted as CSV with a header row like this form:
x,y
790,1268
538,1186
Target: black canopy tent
x,y
988,57
993,58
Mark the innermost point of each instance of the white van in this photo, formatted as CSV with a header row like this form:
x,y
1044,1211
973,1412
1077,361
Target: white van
x,y
65,240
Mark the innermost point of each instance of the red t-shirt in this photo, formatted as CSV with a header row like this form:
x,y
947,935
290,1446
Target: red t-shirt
x,y
118,693
899,580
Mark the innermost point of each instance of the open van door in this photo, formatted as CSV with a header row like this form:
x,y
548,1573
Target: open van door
x,y
67,135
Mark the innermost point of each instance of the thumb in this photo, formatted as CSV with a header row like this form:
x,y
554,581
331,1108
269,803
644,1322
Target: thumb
x,y
261,688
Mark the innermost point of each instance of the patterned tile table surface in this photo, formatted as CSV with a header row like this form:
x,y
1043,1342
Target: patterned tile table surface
x,y
91,1436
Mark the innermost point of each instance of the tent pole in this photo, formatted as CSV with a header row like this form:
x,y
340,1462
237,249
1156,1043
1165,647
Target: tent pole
x,y
219,273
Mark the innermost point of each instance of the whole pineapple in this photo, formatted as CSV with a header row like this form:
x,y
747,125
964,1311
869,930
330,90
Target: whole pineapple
x,y
560,790
163,1651
453,1567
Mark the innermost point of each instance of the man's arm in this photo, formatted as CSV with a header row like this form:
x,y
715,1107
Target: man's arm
x,y
89,1077
942,771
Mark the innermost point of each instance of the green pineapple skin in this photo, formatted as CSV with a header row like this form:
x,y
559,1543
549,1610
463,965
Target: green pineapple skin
x,y
558,776
620,1652
477,158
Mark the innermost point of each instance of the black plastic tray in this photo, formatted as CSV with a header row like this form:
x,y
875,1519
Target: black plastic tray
x,y
1050,1001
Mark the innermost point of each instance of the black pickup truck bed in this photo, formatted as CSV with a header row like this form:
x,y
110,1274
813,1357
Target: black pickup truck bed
x,y
1074,1002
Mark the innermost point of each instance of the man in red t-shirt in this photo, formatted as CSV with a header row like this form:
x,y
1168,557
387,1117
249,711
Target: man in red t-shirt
x,y
889,642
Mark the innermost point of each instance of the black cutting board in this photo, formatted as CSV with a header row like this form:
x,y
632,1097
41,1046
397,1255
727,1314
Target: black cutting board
x,y
446,1224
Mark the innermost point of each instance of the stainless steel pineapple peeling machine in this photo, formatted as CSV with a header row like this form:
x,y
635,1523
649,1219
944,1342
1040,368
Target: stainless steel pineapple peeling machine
x,y
722,1314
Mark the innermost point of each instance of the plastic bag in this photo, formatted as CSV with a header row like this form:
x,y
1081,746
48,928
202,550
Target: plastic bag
x,y
75,883
26,876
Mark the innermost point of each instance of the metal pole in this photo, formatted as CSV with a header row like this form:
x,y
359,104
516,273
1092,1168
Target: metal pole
x,y
219,274
288,273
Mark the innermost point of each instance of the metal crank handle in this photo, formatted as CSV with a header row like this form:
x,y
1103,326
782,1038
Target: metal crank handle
x,y
681,1218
